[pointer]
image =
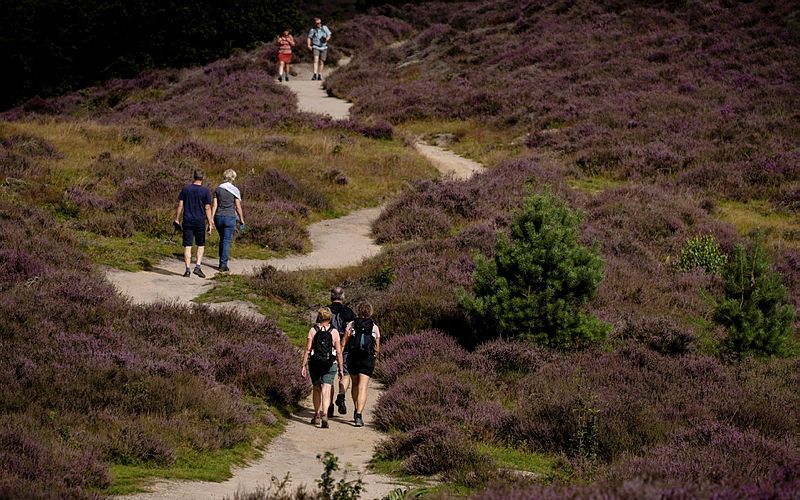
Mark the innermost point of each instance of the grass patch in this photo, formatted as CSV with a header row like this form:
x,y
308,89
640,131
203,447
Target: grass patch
x,y
200,466
540,464
289,317
594,184
779,229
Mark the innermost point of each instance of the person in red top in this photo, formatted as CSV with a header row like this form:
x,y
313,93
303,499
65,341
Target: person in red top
x,y
285,43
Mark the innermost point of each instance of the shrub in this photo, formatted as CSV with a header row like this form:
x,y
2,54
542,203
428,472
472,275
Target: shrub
x,y
703,252
437,448
538,280
405,354
287,286
754,310
660,334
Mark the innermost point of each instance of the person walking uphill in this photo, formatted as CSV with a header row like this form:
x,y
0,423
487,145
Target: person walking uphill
x,y
342,316
194,204
364,339
318,39
285,43
322,359
227,208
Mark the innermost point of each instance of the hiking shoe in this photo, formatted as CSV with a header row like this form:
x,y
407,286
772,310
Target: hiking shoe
x,y
224,269
187,273
314,420
287,78
280,78
340,404
359,420
324,423
330,411
199,272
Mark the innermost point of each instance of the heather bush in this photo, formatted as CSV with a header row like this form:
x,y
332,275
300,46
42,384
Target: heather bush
x,y
703,252
713,453
512,357
662,335
437,449
420,351
538,280
754,309
271,282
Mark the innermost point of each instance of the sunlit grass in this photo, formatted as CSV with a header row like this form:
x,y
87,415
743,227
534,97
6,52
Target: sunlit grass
x,y
200,466
593,184
779,229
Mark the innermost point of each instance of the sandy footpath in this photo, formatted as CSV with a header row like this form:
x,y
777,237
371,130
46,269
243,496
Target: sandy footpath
x,y
341,242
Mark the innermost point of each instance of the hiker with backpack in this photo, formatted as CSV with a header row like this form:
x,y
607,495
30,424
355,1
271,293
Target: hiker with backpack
x,y
318,38
364,339
342,316
322,359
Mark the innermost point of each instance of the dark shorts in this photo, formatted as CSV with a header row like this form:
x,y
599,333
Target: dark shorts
x,y
363,366
198,233
344,361
321,376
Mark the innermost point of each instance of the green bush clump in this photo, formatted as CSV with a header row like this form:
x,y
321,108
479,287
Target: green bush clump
x,y
755,310
703,252
538,281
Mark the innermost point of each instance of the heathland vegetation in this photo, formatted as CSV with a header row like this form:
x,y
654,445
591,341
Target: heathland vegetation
x,y
637,143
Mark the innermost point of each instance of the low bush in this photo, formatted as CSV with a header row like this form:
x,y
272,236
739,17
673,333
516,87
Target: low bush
x,y
271,282
703,252
438,449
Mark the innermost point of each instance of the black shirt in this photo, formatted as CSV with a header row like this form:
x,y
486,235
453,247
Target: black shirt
x,y
346,315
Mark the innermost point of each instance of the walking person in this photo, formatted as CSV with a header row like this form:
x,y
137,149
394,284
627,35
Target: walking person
x,y
342,316
225,211
194,205
318,39
285,43
364,337
322,359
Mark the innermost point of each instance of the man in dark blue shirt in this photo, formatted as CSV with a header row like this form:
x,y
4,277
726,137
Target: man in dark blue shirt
x,y
194,203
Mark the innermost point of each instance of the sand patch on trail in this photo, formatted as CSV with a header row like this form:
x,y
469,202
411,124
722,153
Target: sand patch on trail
x,y
295,452
449,163
312,98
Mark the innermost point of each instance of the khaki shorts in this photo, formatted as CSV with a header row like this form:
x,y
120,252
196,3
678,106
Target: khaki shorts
x,y
321,53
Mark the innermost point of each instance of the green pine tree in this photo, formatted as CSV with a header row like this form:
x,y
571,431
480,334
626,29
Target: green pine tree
x,y
755,311
538,281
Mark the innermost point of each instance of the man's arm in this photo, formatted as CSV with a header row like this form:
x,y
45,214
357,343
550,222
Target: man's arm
x,y
328,34
179,212
209,218
308,40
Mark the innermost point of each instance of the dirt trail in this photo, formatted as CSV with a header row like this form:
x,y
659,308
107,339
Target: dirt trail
x,y
335,243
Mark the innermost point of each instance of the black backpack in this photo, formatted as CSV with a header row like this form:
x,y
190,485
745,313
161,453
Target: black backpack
x,y
321,347
363,343
338,322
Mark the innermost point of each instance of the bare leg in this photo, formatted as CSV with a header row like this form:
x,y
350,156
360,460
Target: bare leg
x,y
344,384
187,256
316,64
281,65
354,390
363,382
326,399
200,251
321,65
316,397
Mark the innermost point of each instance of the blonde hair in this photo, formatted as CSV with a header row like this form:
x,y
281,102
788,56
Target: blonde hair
x,y
229,175
324,314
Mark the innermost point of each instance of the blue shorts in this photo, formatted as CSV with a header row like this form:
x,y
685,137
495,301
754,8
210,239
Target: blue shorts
x,y
319,377
196,233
